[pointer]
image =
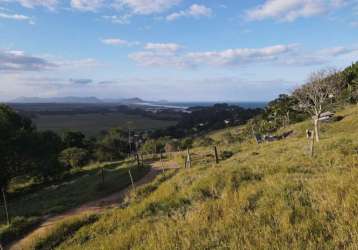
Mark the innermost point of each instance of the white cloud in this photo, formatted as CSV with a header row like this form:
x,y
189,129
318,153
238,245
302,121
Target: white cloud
x,y
290,10
16,17
78,63
292,55
118,42
124,19
240,56
50,4
320,57
146,7
87,5
172,57
195,10
163,47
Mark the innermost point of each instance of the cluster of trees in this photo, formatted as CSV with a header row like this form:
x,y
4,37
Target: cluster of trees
x,y
323,91
201,120
45,155
24,150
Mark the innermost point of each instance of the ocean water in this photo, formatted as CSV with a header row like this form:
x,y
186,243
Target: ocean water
x,y
210,104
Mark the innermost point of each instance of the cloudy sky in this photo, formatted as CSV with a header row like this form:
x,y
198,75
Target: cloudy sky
x,y
178,50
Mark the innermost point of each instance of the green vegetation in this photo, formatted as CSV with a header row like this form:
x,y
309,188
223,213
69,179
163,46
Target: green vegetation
x,y
94,124
265,196
74,157
62,231
18,227
84,186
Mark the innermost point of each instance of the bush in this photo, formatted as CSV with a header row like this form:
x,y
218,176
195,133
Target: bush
x,y
226,155
18,227
204,142
74,157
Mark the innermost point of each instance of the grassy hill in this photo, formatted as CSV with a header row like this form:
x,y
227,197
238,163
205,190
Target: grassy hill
x,y
267,196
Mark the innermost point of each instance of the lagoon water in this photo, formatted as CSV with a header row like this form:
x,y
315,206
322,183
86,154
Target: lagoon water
x,y
209,104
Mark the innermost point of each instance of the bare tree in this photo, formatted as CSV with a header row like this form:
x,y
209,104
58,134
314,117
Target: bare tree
x,y
317,95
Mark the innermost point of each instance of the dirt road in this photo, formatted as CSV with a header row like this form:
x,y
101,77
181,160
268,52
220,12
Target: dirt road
x,y
97,206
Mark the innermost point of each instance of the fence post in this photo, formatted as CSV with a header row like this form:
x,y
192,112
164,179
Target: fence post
x,y
216,155
131,177
161,162
312,144
138,161
5,206
102,175
188,159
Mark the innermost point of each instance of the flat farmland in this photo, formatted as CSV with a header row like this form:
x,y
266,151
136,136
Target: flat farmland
x,y
92,124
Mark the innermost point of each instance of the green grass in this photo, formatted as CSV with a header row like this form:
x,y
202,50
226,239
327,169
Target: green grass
x,y
18,227
29,207
268,196
53,237
93,124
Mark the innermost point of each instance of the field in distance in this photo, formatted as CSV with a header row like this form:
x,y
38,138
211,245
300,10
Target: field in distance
x,y
92,119
93,124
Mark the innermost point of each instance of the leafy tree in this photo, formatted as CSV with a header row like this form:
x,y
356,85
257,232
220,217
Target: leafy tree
x,y
73,139
74,157
16,133
149,147
47,146
113,146
186,143
282,110
350,75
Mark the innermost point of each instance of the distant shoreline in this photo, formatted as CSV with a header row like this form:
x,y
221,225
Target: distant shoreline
x,y
186,105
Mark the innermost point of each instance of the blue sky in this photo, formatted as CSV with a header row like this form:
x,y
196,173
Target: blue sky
x,y
178,50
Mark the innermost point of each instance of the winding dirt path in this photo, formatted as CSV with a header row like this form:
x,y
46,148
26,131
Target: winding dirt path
x,y
97,206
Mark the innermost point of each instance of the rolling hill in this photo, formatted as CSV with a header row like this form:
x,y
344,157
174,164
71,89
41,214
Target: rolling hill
x,y
266,196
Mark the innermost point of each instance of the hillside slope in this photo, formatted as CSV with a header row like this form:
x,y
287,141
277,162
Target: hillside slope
x,y
268,196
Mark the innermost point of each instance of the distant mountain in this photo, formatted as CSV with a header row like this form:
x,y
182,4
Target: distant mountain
x,y
134,100
67,99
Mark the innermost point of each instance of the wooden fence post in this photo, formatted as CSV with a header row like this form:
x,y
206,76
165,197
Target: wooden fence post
x,y
141,157
161,162
312,139
5,206
188,159
131,177
138,161
216,155
102,175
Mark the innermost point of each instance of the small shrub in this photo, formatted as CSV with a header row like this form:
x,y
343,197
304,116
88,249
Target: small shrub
x,y
226,155
74,157
18,227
